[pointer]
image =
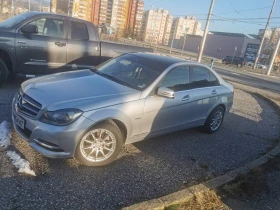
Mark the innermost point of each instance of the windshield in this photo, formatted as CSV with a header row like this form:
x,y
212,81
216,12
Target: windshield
x,y
15,20
129,70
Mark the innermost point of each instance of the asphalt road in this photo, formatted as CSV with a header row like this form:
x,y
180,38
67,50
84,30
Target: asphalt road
x,y
248,78
145,170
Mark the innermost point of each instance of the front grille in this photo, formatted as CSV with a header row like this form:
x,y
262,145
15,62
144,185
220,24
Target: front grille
x,y
27,106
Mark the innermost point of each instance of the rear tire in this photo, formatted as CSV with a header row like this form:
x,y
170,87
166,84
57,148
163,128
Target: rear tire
x,y
214,120
100,145
4,72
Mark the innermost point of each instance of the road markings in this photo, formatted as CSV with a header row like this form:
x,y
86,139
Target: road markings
x,y
234,73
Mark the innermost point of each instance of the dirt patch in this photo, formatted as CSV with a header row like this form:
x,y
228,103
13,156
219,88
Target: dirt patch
x,y
202,201
6,167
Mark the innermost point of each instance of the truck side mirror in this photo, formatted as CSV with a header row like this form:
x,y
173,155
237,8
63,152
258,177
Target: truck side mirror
x,y
29,29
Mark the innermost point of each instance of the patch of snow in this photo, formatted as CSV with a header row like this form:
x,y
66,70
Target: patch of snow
x,y
22,164
5,134
5,140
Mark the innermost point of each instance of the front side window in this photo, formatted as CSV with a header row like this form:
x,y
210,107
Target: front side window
x,y
79,31
49,27
178,79
202,77
130,71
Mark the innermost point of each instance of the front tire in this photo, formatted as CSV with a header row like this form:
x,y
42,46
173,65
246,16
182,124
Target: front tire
x,y
214,120
100,145
4,72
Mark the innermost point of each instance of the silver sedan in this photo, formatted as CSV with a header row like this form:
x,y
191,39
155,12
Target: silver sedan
x,y
92,114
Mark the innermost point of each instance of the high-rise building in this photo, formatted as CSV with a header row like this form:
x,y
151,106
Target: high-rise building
x,y
185,25
75,8
82,9
167,30
154,26
120,10
95,11
134,18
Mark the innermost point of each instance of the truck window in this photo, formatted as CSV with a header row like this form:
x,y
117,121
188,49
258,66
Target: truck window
x,y
79,31
49,27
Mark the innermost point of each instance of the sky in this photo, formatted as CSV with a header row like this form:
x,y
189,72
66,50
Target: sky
x,y
224,9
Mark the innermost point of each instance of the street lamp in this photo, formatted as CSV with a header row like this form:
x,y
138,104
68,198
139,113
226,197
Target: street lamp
x,y
185,37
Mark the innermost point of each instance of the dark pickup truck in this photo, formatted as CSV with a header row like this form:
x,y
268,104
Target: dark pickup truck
x,y
35,43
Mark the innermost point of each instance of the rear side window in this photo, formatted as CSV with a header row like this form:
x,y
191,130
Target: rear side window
x,y
79,31
202,77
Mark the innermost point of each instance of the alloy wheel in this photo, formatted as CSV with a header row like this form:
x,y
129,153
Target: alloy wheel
x,y
216,120
98,145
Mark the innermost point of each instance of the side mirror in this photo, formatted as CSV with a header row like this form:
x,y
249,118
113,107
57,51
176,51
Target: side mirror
x,y
29,29
165,92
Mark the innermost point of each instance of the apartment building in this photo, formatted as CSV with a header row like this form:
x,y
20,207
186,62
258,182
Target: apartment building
x,y
95,11
154,26
167,30
82,9
75,8
134,17
185,25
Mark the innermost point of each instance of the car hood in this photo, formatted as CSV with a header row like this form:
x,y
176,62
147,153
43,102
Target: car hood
x,y
84,90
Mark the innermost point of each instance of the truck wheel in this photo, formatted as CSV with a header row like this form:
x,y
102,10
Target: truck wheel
x,y
100,145
4,72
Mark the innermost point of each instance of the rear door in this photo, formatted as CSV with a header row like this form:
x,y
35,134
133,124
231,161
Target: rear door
x,y
44,52
205,91
83,46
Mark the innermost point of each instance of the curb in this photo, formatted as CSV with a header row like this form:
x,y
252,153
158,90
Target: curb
x,y
187,194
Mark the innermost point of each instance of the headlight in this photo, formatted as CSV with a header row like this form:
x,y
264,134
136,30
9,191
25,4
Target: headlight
x,y
61,117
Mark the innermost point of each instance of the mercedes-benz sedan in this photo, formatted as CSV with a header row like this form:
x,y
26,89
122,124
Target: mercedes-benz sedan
x,y
91,114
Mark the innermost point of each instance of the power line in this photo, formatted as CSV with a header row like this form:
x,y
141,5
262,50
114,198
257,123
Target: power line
x,y
237,11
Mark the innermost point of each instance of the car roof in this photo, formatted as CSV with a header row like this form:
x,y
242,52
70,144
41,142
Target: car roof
x,y
165,60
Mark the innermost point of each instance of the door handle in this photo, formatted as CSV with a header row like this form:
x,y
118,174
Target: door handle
x,y
21,42
186,98
214,91
60,44
97,48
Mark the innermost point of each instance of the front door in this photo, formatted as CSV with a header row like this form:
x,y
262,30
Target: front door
x,y
44,52
163,114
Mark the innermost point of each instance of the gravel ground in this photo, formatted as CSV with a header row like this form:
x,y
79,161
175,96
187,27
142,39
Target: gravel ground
x,y
145,170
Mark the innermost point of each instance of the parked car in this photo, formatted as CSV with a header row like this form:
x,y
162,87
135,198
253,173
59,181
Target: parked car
x,y
91,114
238,61
36,43
259,65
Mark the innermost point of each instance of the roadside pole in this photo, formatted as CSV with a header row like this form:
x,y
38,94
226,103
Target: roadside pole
x,y
263,38
235,48
185,37
201,48
29,5
273,57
